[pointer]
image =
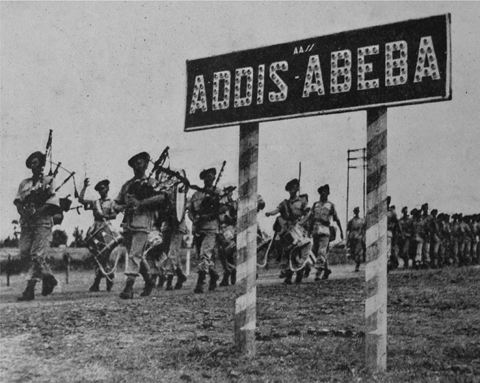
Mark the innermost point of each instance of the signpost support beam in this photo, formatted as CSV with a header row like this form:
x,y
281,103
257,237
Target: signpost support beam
x,y
376,242
246,293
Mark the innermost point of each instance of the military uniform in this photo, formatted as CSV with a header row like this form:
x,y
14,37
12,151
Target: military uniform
x,y
99,234
404,238
356,237
37,205
203,210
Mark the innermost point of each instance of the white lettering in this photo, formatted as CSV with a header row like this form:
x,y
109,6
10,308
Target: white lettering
x,y
426,53
364,68
221,103
199,99
282,95
313,78
396,69
247,100
261,83
341,64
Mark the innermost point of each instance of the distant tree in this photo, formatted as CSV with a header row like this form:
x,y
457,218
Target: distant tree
x,y
78,240
59,238
9,242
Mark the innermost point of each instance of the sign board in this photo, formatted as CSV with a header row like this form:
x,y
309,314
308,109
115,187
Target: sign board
x,y
389,65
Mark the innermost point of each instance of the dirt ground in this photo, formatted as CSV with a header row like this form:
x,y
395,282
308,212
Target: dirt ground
x,y
311,332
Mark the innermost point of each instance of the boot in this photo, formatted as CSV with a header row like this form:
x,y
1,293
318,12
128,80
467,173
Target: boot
x,y
225,279
161,280
233,276
29,293
299,277
48,284
289,275
96,284
110,282
147,290
181,279
213,280
307,271
169,283
127,292
200,281
326,273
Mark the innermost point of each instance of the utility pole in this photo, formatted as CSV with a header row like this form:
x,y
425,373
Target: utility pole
x,y
363,157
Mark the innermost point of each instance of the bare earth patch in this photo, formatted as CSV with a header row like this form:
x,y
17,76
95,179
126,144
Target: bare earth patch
x,y
311,332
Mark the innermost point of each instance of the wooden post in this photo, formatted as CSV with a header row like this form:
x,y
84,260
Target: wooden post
x,y
246,293
376,242
9,264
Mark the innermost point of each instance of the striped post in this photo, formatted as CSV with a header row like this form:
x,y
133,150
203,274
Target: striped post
x,y
376,242
246,293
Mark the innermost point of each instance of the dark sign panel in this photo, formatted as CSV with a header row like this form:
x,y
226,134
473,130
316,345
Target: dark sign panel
x,y
388,65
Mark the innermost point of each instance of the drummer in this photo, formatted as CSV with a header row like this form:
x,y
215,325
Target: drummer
x,y
104,209
291,210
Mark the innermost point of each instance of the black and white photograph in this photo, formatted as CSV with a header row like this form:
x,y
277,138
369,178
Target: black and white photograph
x,y
239,191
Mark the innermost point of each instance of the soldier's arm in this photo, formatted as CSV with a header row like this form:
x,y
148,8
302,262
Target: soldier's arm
x,y
273,212
337,220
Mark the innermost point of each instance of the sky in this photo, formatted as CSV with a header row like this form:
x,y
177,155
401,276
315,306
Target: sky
x,y
109,78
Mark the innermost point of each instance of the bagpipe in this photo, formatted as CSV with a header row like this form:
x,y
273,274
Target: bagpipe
x,y
42,193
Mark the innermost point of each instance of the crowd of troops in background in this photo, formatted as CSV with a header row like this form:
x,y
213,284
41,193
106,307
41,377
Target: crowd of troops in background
x,y
432,240
153,230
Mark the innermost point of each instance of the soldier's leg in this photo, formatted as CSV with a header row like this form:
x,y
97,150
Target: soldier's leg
x,y
222,252
39,267
389,249
418,253
207,253
175,256
135,245
202,266
25,244
434,252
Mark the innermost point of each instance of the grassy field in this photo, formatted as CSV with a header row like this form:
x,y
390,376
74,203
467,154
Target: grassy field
x,y
311,332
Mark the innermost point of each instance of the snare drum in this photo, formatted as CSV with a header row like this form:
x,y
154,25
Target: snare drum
x,y
296,236
101,238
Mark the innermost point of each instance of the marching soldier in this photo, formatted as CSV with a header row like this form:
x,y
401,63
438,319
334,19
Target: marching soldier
x,y
427,222
466,244
291,211
203,211
319,219
475,227
393,229
435,239
418,236
140,206
445,240
104,210
355,237
173,229
39,211
457,238
404,238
